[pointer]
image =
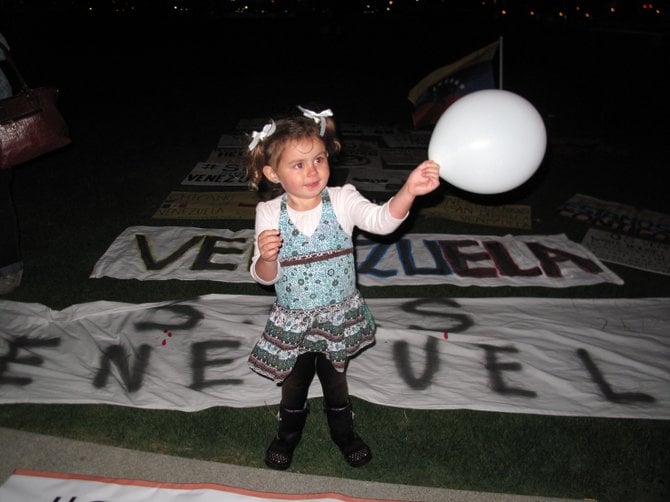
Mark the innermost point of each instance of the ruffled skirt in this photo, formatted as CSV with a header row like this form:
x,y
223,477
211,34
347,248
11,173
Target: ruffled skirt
x,y
339,331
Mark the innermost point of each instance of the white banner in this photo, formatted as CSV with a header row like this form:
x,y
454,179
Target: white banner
x,y
33,486
189,253
185,253
584,357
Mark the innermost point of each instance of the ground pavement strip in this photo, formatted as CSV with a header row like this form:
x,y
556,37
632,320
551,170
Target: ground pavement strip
x,y
40,468
52,486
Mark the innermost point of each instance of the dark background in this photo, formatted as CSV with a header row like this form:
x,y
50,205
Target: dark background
x,y
147,96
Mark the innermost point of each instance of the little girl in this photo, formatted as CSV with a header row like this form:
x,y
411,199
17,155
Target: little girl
x,y
304,248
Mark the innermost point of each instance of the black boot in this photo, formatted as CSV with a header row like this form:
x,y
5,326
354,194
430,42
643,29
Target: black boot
x,y
341,422
280,452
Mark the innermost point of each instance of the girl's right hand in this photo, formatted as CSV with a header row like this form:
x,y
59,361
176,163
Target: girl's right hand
x,y
269,244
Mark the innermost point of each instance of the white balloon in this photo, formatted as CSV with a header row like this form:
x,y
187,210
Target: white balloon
x,y
488,142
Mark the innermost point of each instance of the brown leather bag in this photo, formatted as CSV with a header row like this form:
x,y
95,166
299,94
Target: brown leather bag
x,y
30,122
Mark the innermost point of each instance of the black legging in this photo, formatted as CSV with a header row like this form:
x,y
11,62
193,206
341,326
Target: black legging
x,y
295,387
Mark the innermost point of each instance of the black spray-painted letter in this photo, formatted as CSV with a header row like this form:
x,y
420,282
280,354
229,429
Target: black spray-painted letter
x,y
199,363
23,342
495,369
606,389
117,354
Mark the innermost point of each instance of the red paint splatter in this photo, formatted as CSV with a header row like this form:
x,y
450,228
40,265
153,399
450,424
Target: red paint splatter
x,y
168,333
446,335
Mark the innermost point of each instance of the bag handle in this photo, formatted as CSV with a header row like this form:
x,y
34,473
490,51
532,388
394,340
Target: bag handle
x,y
17,73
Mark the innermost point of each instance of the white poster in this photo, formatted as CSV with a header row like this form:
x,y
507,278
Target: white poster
x,y
643,254
231,172
227,155
573,357
616,217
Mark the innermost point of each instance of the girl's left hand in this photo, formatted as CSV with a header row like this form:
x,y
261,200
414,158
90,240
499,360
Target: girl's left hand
x,y
424,178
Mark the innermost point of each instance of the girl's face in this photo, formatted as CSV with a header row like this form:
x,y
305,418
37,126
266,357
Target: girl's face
x,y
302,171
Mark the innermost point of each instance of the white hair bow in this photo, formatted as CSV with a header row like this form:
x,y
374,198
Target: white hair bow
x,y
257,137
317,117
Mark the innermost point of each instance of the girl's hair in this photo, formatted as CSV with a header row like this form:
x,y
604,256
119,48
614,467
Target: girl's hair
x,y
268,150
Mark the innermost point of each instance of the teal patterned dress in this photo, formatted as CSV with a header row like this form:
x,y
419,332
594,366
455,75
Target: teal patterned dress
x,y
318,306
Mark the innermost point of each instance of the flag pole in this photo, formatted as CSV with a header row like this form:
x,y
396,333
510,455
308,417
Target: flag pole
x,y
500,63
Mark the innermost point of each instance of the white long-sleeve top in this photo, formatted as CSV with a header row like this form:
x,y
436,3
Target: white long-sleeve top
x,y
352,210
